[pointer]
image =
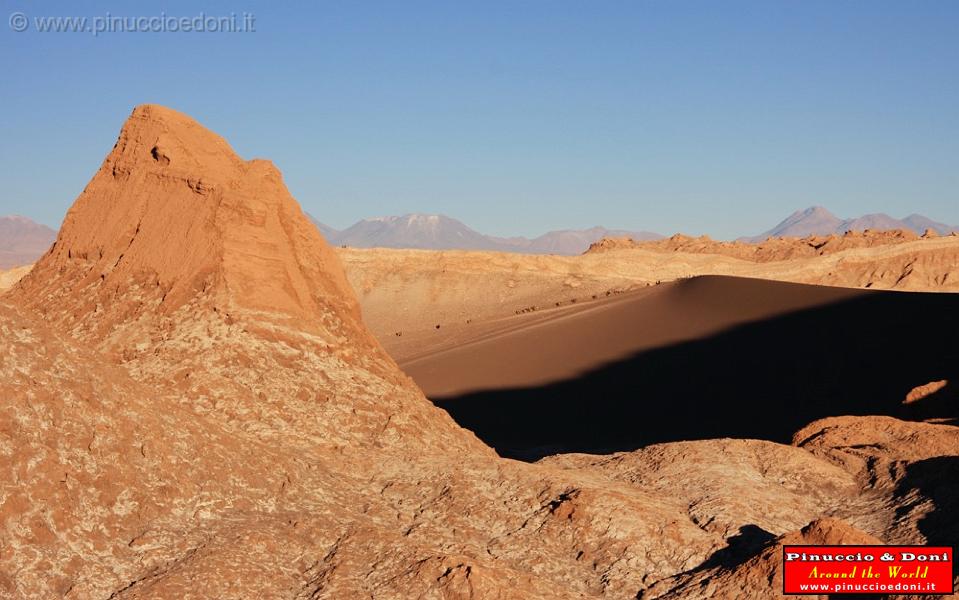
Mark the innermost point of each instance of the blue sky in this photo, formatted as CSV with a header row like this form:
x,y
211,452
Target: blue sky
x,y
518,117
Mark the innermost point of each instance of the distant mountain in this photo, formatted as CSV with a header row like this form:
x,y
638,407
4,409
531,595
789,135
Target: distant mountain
x,y
576,241
816,220
439,232
435,232
876,222
22,241
328,232
920,223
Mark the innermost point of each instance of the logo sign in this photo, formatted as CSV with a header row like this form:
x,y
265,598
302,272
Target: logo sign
x,y
812,570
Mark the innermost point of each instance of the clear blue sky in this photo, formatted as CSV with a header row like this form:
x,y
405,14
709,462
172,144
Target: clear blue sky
x,y
518,117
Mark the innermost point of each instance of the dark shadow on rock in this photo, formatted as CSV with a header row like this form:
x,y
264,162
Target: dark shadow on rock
x,y
762,380
937,480
746,544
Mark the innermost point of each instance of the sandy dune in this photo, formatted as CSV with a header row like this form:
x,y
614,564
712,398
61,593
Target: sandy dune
x,y
418,301
560,343
748,358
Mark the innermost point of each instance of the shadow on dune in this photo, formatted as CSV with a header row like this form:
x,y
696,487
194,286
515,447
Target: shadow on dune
x,y
765,379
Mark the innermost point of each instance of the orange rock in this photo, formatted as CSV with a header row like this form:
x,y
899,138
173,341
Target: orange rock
x,y
923,391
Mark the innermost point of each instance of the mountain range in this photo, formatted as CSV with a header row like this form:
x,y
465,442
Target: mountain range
x,y
439,232
22,241
816,220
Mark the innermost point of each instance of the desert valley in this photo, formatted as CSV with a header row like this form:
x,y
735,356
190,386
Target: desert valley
x,y
202,398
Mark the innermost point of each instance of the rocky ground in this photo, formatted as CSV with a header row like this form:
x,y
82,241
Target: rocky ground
x,y
194,408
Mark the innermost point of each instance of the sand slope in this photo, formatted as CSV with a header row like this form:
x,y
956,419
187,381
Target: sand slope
x,y
558,344
406,294
705,357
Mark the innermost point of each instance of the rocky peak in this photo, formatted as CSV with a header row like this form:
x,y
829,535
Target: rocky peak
x,y
174,211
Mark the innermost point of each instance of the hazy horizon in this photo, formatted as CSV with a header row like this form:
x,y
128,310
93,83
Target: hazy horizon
x,y
536,234
518,120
